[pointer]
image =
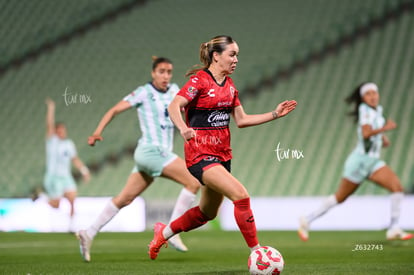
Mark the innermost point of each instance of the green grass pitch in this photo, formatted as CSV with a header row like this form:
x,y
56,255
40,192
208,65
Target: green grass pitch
x,y
211,252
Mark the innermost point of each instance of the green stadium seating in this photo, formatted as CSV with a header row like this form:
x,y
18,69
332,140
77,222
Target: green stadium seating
x,y
108,61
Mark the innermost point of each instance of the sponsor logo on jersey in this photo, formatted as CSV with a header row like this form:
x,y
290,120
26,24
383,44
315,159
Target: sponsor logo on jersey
x,y
206,118
192,92
221,104
163,127
211,158
211,93
218,118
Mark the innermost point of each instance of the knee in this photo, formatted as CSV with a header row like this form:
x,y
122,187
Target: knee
x,y
193,186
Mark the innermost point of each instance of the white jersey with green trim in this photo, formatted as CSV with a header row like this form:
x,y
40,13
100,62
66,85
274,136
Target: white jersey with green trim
x,y
151,104
59,155
373,117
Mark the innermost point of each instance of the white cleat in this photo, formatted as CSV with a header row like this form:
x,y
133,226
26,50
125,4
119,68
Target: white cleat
x,y
303,230
398,234
85,245
176,242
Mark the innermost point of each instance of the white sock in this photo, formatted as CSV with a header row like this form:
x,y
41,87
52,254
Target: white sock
x,y
72,224
167,232
184,202
396,199
326,205
106,215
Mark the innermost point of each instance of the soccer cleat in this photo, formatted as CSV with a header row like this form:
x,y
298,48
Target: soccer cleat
x,y
303,230
157,241
176,242
84,244
398,234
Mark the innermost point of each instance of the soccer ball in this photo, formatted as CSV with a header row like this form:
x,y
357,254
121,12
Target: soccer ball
x,y
265,260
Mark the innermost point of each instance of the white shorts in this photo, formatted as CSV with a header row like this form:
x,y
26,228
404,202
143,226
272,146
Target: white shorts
x,y
56,186
152,159
359,167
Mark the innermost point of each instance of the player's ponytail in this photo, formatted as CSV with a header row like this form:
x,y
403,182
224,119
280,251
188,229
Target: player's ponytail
x,y
216,44
356,99
206,54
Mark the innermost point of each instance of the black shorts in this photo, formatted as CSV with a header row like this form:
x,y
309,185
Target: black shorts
x,y
197,169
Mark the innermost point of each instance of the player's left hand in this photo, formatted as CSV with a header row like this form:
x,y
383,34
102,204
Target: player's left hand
x,y
285,107
385,141
93,139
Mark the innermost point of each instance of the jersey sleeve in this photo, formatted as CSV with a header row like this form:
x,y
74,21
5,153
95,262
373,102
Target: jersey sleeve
x,y
192,88
236,100
380,111
72,149
136,97
174,89
366,116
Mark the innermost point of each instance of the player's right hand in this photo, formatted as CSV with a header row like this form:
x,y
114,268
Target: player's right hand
x,y
49,102
188,133
93,139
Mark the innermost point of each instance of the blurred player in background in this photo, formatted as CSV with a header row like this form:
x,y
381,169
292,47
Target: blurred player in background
x,y
209,98
364,162
60,153
153,155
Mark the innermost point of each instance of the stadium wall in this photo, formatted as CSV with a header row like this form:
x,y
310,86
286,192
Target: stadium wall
x,y
271,213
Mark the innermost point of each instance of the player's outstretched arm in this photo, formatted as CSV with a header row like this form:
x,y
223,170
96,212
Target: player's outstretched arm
x,y
244,120
106,119
50,117
83,169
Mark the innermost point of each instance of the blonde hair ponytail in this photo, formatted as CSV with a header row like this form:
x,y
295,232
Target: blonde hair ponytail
x,y
216,44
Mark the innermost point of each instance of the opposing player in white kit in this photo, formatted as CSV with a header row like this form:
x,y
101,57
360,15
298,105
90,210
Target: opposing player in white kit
x,y
364,162
60,154
153,155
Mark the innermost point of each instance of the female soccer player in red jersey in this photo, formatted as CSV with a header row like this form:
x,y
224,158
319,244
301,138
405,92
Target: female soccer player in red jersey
x,y
209,98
